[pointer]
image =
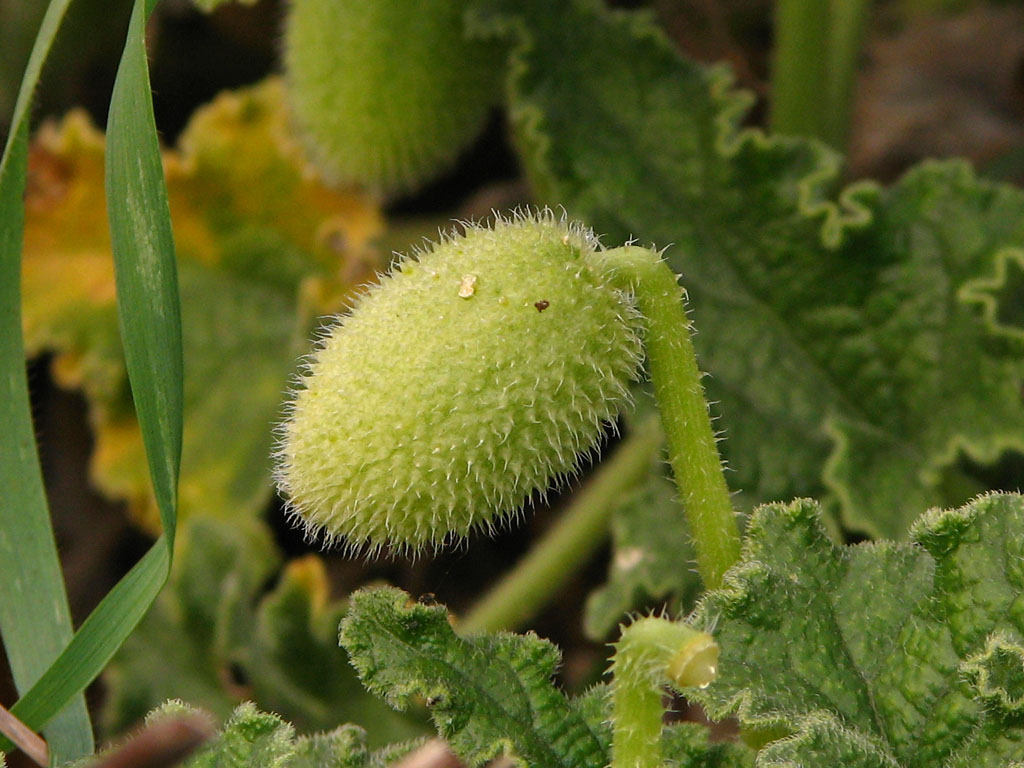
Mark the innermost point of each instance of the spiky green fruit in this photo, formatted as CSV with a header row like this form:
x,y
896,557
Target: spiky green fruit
x,y
388,92
471,377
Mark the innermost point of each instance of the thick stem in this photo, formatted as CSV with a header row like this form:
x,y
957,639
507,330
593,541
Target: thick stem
x,y
848,21
799,94
814,74
536,579
652,653
692,448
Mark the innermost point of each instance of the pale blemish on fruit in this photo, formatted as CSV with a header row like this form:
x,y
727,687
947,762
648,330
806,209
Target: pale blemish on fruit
x,y
467,286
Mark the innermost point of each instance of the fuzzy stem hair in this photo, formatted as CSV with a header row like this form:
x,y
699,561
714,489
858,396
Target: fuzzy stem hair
x,y
692,446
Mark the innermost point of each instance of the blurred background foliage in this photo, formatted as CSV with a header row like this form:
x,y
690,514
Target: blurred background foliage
x,y
258,270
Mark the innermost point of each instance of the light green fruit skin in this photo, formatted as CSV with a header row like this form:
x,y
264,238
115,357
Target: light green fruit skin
x,y
387,92
426,414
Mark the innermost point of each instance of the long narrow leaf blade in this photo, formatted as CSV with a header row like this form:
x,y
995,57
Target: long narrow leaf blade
x,y
147,277
151,330
34,615
97,639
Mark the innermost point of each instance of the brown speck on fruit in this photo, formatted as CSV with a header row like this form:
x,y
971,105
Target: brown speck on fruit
x,y
542,305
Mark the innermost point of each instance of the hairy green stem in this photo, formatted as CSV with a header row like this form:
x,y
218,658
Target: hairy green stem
x,y
535,580
651,653
692,446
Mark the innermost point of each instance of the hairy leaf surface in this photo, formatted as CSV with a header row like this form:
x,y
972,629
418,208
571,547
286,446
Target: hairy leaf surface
x,y
879,654
845,343
488,695
492,694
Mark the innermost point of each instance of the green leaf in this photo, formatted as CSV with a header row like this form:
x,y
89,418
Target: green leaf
x,y
151,329
345,747
997,673
250,739
686,745
1001,295
213,639
652,557
878,654
147,279
29,566
837,327
488,695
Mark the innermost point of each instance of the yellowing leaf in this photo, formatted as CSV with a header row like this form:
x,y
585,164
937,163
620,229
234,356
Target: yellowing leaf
x,y
263,248
238,167
68,272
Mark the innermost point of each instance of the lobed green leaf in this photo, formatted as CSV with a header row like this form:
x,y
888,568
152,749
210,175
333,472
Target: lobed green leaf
x,y
488,695
492,694
878,654
850,334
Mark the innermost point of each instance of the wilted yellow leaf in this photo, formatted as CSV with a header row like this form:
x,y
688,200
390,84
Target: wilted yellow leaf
x,y
263,247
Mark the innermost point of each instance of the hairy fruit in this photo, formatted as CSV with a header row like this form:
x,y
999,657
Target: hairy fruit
x,y
387,92
471,377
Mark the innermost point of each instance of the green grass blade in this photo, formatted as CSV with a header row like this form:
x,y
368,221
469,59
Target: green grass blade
x,y
97,639
34,613
147,278
151,330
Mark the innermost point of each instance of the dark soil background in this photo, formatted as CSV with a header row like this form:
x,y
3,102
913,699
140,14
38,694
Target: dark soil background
x,y
937,79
